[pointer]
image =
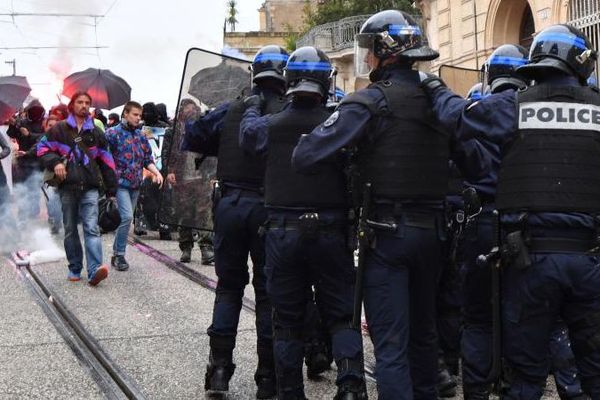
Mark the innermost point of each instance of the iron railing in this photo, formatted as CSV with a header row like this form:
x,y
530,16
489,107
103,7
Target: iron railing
x,y
585,15
333,36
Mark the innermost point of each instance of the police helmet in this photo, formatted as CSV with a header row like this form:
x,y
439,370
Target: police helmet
x,y
268,63
309,70
475,92
500,68
592,80
561,47
388,34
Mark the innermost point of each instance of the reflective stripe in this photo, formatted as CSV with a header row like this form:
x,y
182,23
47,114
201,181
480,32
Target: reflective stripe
x,y
313,66
502,60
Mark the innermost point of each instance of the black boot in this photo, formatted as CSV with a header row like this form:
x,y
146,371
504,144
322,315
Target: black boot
x,y
266,382
220,365
352,389
476,392
186,256
208,254
446,383
216,380
119,263
316,358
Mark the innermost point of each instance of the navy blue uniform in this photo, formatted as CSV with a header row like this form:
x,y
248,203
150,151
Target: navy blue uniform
x,y
238,216
296,261
556,282
403,267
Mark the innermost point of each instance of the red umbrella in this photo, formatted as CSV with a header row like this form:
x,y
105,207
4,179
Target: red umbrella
x,y
13,92
107,89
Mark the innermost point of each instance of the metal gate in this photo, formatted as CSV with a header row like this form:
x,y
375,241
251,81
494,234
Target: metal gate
x,y
585,15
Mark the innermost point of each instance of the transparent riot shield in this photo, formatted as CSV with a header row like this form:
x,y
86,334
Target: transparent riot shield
x,y
459,79
209,79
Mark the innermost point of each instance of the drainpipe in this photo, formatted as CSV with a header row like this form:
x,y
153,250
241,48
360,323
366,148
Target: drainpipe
x,y
476,34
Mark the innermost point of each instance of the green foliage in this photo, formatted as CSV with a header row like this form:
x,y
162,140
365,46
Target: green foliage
x,y
232,13
334,10
290,38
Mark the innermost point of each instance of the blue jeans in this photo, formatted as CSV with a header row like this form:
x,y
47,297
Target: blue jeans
x,y
84,206
126,201
54,208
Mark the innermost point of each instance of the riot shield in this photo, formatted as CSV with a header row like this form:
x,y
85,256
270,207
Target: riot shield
x,y
209,79
459,79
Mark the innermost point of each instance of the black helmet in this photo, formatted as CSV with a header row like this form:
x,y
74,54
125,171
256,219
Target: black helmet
x,y
309,70
109,218
268,63
388,34
563,48
500,68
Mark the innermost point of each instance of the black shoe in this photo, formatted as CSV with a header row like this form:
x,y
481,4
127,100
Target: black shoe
x,y
186,256
54,230
165,235
266,387
140,232
216,380
119,263
208,254
446,384
352,389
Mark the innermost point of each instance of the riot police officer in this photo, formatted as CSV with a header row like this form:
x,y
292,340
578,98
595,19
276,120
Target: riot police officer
x,y
403,153
239,212
549,203
306,231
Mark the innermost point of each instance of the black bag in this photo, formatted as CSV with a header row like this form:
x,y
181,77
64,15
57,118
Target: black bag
x,y
109,218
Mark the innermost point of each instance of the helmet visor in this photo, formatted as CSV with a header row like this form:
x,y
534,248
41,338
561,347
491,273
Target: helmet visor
x,y
364,54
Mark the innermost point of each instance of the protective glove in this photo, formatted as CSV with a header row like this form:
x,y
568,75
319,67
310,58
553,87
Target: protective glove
x,y
430,82
254,101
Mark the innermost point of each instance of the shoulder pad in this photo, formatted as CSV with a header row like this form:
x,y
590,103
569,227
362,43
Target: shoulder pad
x,y
360,98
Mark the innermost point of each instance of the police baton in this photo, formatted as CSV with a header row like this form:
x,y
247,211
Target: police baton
x,y
363,244
494,261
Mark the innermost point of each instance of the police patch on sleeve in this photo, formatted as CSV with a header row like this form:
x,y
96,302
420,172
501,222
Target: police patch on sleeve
x,y
332,119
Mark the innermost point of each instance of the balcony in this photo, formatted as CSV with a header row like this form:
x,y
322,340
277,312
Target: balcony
x,y
337,35
333,36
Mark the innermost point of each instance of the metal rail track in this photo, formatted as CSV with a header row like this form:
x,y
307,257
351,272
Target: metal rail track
x,y
114,383
205,281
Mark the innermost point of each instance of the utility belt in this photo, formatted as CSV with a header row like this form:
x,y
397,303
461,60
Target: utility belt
x,y
389,215
223,189
517,246
309,224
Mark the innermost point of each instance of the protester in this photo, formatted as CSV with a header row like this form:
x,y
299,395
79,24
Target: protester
x,y
113,120
77,152
132,153
27,131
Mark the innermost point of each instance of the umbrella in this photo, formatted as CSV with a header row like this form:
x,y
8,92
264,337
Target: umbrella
x,y
13,92
107,89
224,82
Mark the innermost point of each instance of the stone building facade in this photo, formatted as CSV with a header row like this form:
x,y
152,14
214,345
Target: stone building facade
x,y
277,19
466,32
